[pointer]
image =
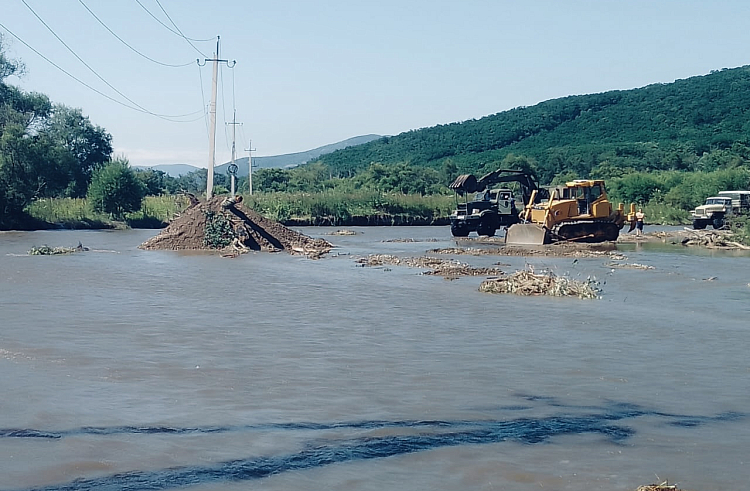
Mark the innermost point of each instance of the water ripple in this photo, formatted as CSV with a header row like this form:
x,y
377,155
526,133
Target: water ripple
x,y
451,433
435,434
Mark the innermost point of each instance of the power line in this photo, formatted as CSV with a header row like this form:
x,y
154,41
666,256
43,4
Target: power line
x,y
66,72
177,32
224,107
128,45
203,99
138,106
169,28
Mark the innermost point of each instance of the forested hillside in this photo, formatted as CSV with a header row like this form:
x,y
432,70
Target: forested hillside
x,y
699,123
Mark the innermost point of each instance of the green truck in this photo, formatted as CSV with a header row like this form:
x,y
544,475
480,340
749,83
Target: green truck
x,y
482,209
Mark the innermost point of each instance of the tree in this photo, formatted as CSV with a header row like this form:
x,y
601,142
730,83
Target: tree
x,y
638,187
24,154
154,180
89,145
115,190
270,180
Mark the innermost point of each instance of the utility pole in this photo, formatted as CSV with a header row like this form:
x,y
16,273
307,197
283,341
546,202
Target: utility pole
x,y
212,115
250,151
234,124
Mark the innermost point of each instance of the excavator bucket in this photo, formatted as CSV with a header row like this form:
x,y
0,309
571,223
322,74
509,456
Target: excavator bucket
x,y
526,234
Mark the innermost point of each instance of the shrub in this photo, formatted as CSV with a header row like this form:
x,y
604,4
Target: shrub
x,y
115,190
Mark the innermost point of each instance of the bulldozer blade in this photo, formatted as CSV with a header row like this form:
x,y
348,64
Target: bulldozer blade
x,y
526,234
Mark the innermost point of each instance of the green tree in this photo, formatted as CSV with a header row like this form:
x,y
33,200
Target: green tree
x,y
25,155
115,190
192,182
638,187
270,180
154,180
88,144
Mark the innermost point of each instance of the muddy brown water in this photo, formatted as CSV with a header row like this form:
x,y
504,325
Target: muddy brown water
x,y
132,369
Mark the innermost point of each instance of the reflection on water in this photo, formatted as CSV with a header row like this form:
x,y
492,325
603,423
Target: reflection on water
x,y
130,369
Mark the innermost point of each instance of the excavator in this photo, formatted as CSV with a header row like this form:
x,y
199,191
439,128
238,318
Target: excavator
x,y
577,211
490,208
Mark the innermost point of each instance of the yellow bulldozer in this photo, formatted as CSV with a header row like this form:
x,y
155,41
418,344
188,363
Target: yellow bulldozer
x,y
578,211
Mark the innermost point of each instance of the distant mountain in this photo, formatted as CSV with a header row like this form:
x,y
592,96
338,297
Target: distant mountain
x,y
275,161
294,159
174,170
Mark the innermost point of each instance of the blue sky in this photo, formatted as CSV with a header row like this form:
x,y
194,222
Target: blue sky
x,y
311,73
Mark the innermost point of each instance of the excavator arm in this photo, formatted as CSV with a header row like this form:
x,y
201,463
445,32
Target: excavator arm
x,y
468,183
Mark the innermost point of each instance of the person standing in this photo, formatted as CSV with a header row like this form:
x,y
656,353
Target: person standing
x,y
639,216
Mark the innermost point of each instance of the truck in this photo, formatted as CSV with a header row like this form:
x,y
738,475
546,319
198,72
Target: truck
x,y
719,208
483,209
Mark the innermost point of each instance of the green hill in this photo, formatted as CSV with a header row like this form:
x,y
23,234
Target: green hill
x,y
657,127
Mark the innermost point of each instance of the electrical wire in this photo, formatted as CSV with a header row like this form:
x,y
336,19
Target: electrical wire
x,y
178,29
224,108
128,45
203,100
168,117
169,28
66,72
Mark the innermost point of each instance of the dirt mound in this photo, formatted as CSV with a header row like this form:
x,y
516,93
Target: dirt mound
x,y
212,225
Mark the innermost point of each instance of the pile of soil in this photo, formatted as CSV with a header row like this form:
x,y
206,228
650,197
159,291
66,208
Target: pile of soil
x,y
250,231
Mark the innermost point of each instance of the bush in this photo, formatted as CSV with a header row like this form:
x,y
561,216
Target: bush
x,y
741,228
115,190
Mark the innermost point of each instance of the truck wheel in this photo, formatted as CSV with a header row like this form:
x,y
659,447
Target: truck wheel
x,y
699,224
459,230
718,223
486,228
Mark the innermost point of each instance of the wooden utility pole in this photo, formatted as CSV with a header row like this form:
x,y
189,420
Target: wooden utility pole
x,y
212,118
234,124
250,151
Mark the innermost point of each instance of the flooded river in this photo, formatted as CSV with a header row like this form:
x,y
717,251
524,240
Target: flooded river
x,y
131,369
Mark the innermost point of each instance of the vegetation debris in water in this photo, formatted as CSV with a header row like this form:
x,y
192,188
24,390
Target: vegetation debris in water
x,y
658,487
629,266
529,283
716,239
46,250
438,267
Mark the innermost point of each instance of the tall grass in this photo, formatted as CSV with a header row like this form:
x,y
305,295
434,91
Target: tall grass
x,y
68,213
338,207
155,212
328,207
665,214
